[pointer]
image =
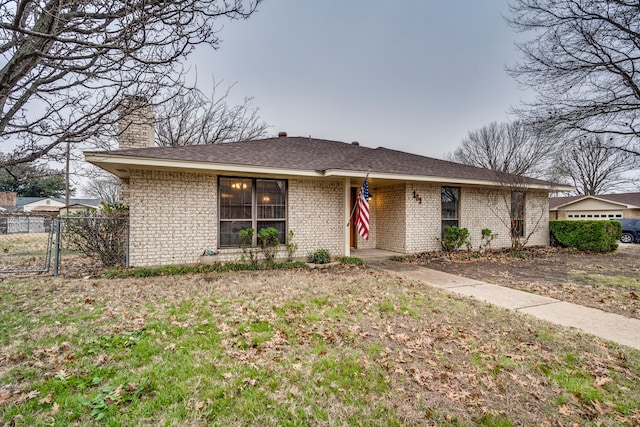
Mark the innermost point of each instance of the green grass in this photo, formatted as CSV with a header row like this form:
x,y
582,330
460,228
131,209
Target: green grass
x,y
609,280
290,348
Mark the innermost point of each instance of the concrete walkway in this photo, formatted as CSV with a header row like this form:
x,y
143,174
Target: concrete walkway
x,y
612,327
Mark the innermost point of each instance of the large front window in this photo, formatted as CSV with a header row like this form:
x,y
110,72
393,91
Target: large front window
x,y
450,202
250,202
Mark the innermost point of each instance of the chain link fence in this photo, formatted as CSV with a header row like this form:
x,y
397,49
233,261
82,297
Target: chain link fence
x,y
69,245
26,243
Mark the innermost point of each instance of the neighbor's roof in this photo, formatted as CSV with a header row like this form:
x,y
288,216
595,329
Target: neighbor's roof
x,y
629,200
22,201
297,156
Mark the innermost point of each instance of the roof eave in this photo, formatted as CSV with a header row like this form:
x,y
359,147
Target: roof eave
x,y
600,199
111,162
120,165
441,179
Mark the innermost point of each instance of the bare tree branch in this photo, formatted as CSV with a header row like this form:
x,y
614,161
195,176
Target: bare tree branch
x,y
66,64
583,60
509,148
193,119
594,168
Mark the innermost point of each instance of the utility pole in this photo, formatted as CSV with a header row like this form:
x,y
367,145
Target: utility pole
x,y
66,182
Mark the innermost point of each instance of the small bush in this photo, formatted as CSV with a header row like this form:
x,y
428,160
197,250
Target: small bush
x,y
101,235
350,260
486,236
269,242
454,239
597,236
291,246
246,243
320,256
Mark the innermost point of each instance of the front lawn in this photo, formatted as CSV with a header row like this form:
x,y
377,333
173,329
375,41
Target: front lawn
x,y
336,346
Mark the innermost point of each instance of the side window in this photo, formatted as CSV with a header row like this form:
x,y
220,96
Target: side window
x,y
517,213
450,205
235,209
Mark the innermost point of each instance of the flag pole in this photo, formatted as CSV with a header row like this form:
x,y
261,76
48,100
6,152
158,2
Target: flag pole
x,y
356,204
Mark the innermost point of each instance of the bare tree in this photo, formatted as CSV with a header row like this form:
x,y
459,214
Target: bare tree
x,y
593,168
67,64
512,148
104,187
193,119
583,60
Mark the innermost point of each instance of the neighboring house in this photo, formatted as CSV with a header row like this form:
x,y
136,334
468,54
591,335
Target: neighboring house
x,y
78,208
185,200
603,206
49,205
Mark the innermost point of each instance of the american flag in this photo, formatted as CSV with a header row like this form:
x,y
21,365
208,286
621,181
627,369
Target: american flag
x,y
362,217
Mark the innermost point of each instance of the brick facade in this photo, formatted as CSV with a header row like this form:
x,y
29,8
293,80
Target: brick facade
x,y
316,215
174,217
406,218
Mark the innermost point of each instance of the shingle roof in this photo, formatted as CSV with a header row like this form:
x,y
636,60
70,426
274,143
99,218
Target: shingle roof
x,y
629,199
318,155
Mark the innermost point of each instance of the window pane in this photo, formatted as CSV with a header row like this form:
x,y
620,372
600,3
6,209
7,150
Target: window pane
x,y
235,198
270,198
449,198
230,232
278,225
517,213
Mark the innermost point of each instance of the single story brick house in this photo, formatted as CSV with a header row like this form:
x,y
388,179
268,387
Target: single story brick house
x,y
187,199
602,206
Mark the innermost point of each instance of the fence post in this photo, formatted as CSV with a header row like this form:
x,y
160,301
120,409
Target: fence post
x,y
56,259
126,243
49,246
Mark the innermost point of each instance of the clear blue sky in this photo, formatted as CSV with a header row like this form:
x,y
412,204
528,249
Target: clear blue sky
x,y
412,75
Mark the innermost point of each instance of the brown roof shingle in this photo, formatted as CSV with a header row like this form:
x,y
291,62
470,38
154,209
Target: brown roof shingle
x,y
318,155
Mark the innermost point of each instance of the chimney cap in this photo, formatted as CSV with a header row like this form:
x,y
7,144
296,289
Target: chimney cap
x,y
282,134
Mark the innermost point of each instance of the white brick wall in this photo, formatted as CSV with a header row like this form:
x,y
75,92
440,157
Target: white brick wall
x,y
173,217
489,208
412,224
389,203
316,215
423,217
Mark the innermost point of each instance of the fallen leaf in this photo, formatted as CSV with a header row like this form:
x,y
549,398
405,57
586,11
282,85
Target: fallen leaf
x,y
47,399
198,405
564,410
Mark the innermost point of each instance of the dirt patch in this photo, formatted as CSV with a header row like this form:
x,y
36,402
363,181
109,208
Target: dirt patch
x,y
609,282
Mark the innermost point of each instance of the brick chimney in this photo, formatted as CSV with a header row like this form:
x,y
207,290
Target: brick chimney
x,y
135,123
